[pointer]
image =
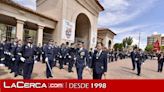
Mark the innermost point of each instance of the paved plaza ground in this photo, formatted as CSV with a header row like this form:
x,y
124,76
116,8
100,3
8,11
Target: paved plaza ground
x,y
116,70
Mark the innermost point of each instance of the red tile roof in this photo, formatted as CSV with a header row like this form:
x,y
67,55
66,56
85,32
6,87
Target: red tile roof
x,y
100,29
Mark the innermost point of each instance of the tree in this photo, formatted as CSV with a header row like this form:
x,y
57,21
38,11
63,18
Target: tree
x,y
129,41
118,46
135,46
124,43
162,48
149,48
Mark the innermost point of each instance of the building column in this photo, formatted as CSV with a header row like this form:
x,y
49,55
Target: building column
x,y
19,29
105,41
40,35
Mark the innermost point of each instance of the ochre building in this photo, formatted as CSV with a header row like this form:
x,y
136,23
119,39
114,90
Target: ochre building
x,y
61,20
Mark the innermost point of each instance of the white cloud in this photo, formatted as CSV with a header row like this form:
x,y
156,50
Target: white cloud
x,y
128,29
137,28
122,11
135,41
119,11
115,5
134,31
155,33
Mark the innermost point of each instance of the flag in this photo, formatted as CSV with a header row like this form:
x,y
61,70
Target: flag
x,y
156,46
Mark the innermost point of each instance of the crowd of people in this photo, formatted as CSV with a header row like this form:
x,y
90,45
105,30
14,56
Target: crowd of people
x,y
138,57
20,58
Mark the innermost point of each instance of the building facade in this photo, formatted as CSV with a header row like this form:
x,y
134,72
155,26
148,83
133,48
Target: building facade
x,y
162,40
21,22
153,38
82,14
61,20
106,36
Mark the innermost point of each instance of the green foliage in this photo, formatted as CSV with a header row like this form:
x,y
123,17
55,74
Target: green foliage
x,y
162,48
118,46
149,48
124,43
127,42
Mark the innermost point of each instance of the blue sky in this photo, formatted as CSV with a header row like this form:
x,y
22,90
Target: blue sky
x,y
128,18
28,3
131,17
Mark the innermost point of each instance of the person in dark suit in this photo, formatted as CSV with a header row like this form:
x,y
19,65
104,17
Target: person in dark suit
x,y
62,56
12,52
139,59
99,62
18,64
160,62
132,55
56,51
50,56
109,55
7,46
71,57
112,55
116,55
43,53
39,52
2,55
90,56
66,59
82,58
28,53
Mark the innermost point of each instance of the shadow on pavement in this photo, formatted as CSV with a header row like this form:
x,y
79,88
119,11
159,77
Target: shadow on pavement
x,y
131,72
126,68
150,70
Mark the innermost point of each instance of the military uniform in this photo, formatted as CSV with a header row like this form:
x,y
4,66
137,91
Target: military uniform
x,y
133,59
115,55
139,59
39,53
120,54
90,58
62,56
12,55
66,59
7,52
71,60
2,56
18,65
112,56
109,56
56,51
99,64
43,53
81,61
160,62
29,51
50,56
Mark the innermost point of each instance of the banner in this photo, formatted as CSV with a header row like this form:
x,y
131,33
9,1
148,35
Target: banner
x,y
81,85
156,46
68,31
